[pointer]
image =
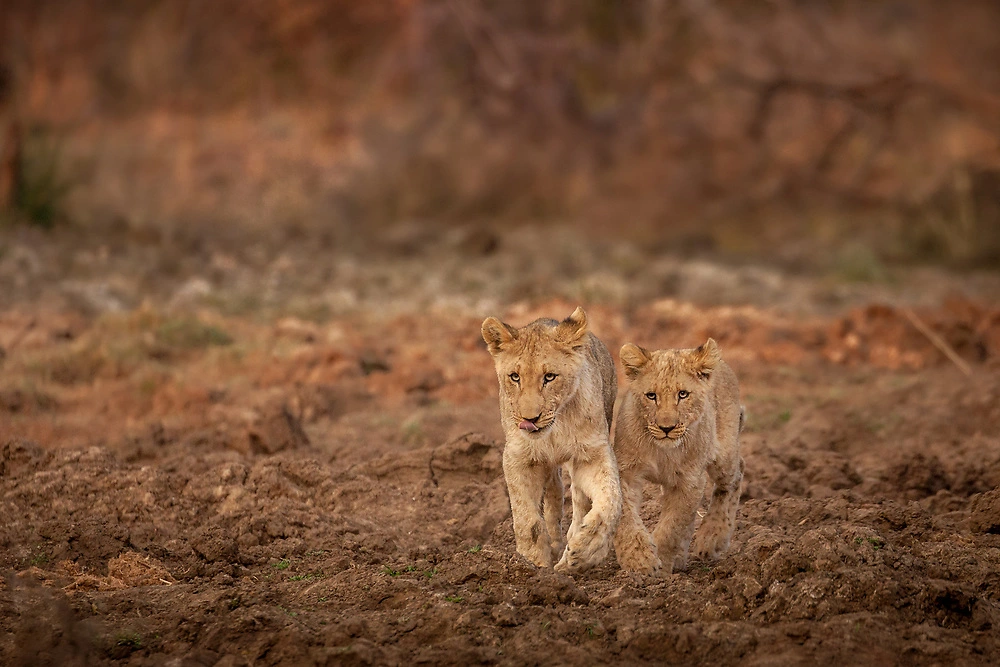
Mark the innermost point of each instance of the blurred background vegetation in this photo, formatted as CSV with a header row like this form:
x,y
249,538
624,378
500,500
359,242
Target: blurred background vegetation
x,y
870,127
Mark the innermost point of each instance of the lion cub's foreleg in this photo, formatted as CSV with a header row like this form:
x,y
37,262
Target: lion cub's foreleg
x,y
676,526
526,481
552,508
717,528
581,506
634,546
595,478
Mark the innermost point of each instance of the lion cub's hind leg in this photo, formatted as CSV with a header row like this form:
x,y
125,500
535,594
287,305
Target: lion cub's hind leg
x,y
552,509
716,530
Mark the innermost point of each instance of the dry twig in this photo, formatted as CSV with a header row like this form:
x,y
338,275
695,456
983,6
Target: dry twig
x,y
937,341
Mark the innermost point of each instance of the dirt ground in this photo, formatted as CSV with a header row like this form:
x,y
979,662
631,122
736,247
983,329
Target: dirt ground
x,y
279,453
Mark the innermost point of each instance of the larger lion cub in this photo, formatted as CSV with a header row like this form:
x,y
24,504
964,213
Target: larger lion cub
x,y
678,426
557,393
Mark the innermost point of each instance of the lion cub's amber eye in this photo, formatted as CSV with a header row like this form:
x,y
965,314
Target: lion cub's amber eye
x,y
514,377
682,394
549,377
651,395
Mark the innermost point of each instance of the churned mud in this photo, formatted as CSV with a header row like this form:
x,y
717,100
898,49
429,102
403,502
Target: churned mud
x,y
183,482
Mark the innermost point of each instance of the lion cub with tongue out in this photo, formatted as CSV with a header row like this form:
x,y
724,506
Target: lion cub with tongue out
x,y
557,393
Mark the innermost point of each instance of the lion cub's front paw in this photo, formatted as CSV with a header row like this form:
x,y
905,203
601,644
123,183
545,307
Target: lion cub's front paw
x,y
566,565
636,553
710,547
581,558
572,562
538,556
645,562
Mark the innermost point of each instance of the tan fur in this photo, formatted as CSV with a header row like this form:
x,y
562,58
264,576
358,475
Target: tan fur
x,y
573,412
685,445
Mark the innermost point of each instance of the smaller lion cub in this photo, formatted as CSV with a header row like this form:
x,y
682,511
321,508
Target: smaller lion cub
x,y
557,394
678,426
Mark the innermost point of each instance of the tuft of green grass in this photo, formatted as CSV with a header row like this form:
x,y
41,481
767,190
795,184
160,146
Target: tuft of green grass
x,y
859,264
129,640
41,189
454,598
412,431
876,542
191,334
282,564
39,558
430,573
392,572
476,549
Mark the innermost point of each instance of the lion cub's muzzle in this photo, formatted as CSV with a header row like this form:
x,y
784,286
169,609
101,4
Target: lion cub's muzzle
x,y
537,423
675,432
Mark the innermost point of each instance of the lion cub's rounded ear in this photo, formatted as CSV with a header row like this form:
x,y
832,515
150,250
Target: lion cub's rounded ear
x,y
705,358
573,329
497,334
633,359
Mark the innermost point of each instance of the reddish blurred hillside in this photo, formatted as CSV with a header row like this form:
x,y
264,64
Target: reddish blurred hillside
x,y
293,113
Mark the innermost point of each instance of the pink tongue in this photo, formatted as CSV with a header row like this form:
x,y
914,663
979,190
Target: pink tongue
x,y
525,425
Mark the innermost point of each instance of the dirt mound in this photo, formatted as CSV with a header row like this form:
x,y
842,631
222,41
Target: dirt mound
x,y
892,337
986,513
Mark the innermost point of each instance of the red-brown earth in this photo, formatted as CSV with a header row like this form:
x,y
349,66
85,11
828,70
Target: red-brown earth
x,y
292,458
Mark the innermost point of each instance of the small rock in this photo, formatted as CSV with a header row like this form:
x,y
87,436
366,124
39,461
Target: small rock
x,y
985,514
356,627
506,614
624,634
615,597
278,428
468,618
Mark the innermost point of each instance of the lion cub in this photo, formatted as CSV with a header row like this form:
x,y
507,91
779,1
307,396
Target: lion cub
x,y
557,393
679,422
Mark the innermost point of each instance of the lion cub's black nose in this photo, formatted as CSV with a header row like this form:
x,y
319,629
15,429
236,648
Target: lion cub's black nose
x,y
667,429
533,419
